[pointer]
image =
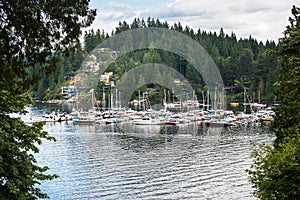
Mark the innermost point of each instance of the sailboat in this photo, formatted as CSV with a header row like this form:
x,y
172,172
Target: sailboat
x,y
84,117
147,120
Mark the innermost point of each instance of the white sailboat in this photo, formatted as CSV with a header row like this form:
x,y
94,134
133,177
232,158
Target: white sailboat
x,y
84,118
147,120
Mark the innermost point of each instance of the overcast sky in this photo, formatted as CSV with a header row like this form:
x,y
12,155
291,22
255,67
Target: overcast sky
x,y
262,19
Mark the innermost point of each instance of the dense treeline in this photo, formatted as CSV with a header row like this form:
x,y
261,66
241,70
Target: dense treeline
x,y
275,172
242,62
30,31
49,86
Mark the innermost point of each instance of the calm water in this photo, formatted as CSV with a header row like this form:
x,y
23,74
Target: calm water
x,y
151,162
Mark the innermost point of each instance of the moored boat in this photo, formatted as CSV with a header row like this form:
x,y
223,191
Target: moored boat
x,y
219,123
147,121
84,118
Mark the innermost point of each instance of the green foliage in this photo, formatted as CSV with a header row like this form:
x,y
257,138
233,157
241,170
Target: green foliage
x,y
19,172
287,117
30,31
266,72
92,39
275,173
235,58
151,56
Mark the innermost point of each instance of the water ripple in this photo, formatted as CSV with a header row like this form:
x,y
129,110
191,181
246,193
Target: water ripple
x,y
136,163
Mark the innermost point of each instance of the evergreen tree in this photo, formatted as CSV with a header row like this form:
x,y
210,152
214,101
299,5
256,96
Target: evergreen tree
x,y
235,58
287,119
61,74
275,173
152,56
246,62
30,31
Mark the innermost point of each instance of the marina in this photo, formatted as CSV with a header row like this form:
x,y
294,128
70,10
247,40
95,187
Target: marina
x,y
192,102
218,118
129,160
126,161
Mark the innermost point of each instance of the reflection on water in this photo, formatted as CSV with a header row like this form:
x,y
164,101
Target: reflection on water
x,y
126,161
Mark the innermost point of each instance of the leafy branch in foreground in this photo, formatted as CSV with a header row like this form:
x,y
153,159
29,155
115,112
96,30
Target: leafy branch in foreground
x,y
19,172
275,172
31,33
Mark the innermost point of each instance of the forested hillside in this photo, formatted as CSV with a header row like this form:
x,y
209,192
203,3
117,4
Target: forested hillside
x,y
243,62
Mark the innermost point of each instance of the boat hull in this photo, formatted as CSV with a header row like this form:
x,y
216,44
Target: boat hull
x,y
83,122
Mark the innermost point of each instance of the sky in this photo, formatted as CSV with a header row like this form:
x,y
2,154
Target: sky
x,y
262,19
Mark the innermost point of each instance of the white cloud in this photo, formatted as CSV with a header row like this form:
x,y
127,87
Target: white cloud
x,y
116,5
261,19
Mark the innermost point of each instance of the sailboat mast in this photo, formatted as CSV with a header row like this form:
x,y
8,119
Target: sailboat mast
x,y
103,99
139,100
112,100
116,102
203,100
207,99
215,100
119,99
165,100
245,100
